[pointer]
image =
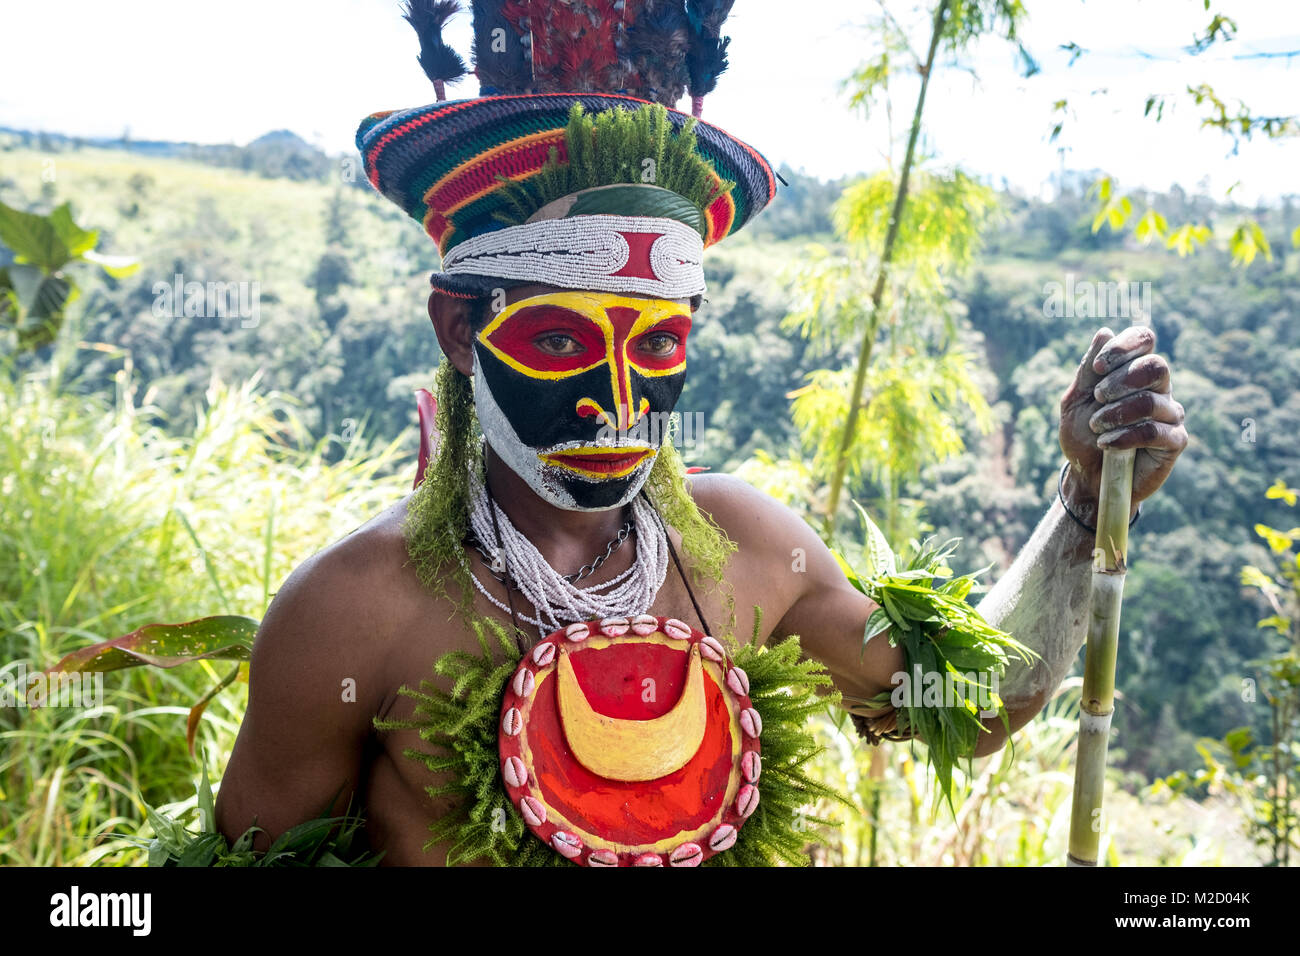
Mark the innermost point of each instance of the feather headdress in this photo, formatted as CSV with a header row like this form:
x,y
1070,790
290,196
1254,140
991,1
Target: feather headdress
x,y
441,64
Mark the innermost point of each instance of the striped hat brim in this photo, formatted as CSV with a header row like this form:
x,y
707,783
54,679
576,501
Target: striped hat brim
x,y
446,164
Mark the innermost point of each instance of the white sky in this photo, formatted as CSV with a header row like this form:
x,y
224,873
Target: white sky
x,y
217,73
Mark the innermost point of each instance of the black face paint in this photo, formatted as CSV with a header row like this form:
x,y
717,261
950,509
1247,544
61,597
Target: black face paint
x,y
574,392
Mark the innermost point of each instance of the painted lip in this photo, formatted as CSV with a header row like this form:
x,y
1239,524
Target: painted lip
x,y
598,462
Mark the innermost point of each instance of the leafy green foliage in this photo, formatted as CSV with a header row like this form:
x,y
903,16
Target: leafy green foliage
x,y
940,635
1248,241
647,150
940,233
92,547
891,413
1276,817
971,20
1237,120
916,409
324,841
226,638
34,291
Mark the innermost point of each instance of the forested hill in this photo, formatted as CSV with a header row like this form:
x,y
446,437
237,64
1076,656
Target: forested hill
x,y
334,283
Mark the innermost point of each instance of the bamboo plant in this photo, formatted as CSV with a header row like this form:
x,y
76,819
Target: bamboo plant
x,y
1109,566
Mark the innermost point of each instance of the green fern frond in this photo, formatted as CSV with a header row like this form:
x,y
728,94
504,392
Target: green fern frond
x,y
632,141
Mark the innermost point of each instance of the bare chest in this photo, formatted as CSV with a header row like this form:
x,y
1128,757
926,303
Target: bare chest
x,y
396,786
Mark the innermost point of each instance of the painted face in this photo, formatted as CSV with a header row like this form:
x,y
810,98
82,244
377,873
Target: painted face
x,y
574,389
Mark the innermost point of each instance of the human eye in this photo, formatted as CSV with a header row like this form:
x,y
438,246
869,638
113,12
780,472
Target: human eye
x,y
558,343
660,343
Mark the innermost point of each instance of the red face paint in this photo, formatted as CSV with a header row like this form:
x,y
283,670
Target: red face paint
x,y
573,375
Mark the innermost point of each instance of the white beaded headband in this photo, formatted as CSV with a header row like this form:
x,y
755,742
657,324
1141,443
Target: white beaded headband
x,y
642,254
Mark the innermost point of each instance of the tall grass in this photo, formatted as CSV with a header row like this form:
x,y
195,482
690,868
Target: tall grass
x,y
1015,809
111,519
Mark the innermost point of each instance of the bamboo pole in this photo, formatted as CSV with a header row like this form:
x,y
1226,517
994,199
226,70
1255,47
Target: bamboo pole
x,y
882,272
1109,565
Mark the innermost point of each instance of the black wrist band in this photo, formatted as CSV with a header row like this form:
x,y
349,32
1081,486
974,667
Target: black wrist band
x,y
1060,493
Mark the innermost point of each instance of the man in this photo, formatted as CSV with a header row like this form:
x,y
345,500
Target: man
x,y
571,322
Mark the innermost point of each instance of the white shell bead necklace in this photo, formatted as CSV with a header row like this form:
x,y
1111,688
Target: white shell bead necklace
x,y
558,601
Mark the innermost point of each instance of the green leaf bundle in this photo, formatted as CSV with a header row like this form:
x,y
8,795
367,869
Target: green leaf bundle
x,y
324,841
953,656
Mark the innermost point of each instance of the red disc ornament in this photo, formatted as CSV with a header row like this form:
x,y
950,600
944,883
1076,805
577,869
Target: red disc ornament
x,y
631,742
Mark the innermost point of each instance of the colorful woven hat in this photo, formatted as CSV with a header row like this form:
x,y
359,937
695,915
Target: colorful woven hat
x,y
570,168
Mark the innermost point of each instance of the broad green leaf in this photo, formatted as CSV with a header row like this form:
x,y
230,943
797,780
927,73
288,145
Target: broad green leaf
x,y
25,280
75,239
915,608
207,807
168,831
40,303
1152,225
1260,240
849,573
1247,242
226,637
1238,740
1253,577
32,239
1187,237
1279,541
877,552
51,299
959,587
1280,624
878,621
202,851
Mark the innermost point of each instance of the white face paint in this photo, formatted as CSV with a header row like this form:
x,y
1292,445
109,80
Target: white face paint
x,y
548,481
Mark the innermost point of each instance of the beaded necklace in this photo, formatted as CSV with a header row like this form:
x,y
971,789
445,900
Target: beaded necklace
x,y
555,596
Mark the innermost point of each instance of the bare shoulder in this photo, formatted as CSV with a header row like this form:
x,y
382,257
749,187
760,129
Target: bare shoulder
x,y
783,564
751,518
336,613
316,678
347,569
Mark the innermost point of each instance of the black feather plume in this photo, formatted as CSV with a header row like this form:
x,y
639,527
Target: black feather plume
x,y
441,64
656,48
707,57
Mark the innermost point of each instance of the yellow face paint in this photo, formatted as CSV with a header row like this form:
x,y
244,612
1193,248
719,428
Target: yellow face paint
x,y
562,334
573,390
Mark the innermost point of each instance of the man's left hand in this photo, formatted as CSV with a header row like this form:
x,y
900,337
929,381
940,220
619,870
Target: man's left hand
x,y
1121,397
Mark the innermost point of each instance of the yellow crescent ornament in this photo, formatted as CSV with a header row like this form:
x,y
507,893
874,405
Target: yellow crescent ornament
x,y
633,750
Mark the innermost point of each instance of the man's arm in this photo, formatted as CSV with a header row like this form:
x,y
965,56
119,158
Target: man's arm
x,y
803,590
1042,601
1120,398
300,745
